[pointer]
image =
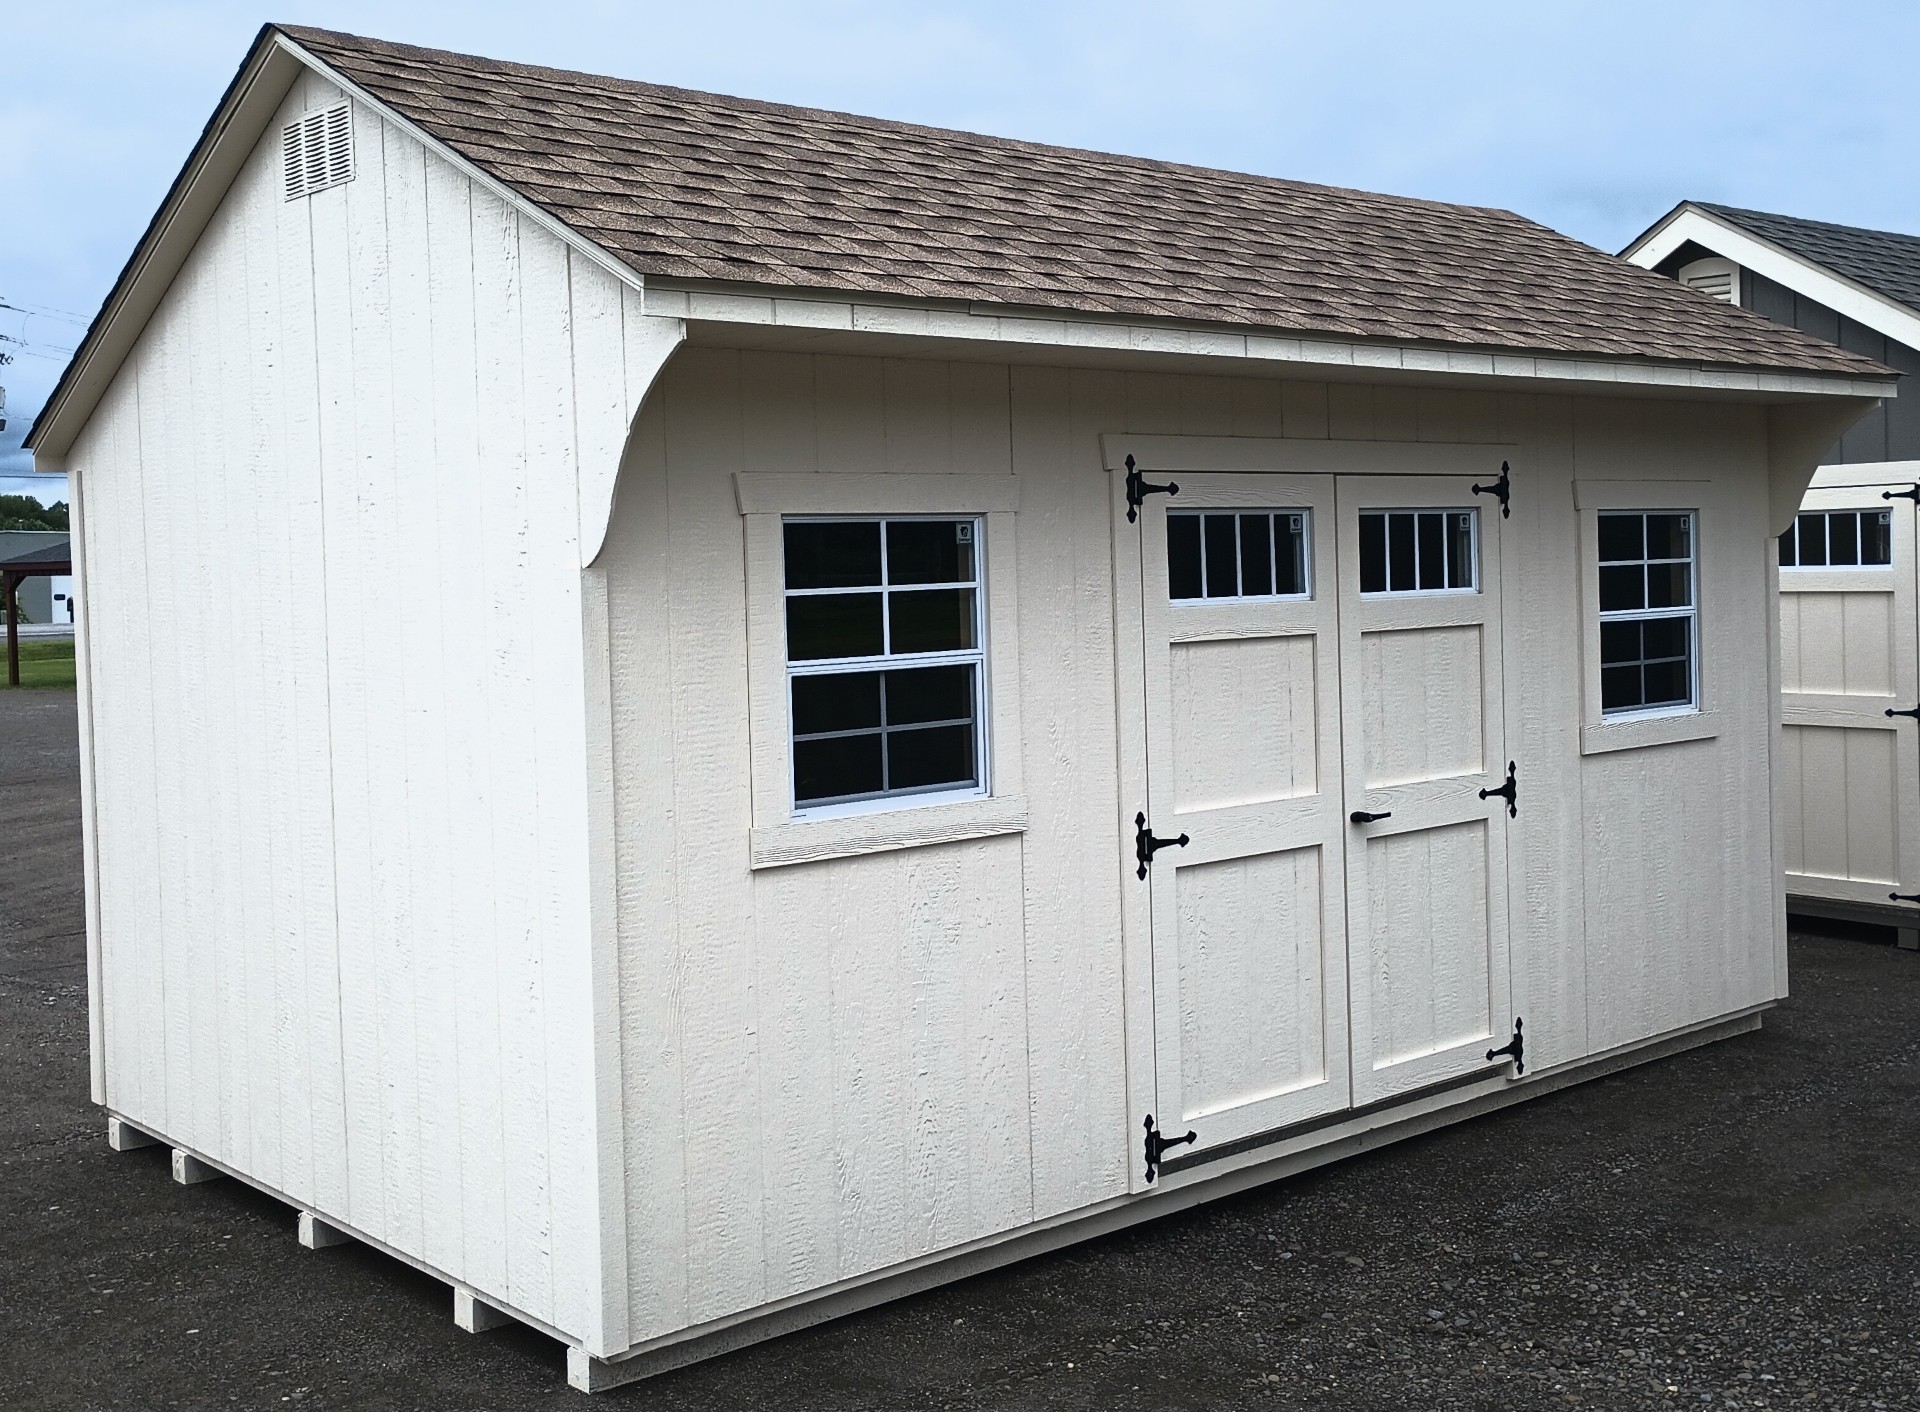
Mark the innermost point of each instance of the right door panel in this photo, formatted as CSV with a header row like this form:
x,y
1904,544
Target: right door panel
x,y
1422,736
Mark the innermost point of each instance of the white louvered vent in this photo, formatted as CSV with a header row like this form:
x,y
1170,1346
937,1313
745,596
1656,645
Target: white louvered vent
x,y
1716,277
317,151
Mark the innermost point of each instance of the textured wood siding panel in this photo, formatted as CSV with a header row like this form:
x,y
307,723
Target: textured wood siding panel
x,y
837,1067
1891,431
334,579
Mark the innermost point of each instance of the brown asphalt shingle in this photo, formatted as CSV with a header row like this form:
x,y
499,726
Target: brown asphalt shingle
x,y
697,186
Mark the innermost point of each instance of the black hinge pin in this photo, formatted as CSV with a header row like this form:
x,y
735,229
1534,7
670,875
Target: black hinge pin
x,y
1145,845
1913,495
1139,488
1156,1144
1510,791
1515,1048
1502,488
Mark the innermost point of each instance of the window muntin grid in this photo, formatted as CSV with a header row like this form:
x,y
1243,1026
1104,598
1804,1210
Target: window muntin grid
x,y
885,658
1419,551
1838,539
1259,555
1649,617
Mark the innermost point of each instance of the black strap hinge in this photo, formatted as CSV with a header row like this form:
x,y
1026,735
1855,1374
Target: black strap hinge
x,y
1156,1144
1502,488
1913,495
1515,1048
1510,791
1145,845
1905,896
1139,488
1915,712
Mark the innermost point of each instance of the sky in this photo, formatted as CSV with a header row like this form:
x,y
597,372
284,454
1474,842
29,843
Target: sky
x,y
1593,118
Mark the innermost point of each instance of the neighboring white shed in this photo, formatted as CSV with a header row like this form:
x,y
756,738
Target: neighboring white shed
x,y
1849,627
941,838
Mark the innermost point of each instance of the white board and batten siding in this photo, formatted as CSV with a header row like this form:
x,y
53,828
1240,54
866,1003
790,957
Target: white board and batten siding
x,y
1849,639
841,1067
336,697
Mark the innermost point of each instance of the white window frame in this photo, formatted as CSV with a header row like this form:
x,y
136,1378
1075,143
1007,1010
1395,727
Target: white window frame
x,y
888,660
1601,731
1306,554
783,834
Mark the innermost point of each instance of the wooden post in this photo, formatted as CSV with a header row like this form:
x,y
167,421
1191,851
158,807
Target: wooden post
x,y
13,630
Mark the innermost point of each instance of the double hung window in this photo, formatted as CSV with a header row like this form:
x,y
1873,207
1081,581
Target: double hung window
x,y
885,658
1649,620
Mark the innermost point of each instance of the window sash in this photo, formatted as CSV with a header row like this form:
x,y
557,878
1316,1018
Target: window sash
x,y
1690,612
974,658
1790,555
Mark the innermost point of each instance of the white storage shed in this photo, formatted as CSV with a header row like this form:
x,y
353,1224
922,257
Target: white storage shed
x,y
951,695
1849,626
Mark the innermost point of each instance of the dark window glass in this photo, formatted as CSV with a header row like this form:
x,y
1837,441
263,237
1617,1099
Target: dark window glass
x,y
1789,539
1843,539
1433,551
839,767
1667,537
1400,552
1223,579
929,551
1291,537
1619,642
930,694
1876,537
1663,637
1620,688
1813,541
1623,588
1256,556
837,701
1373,553
930,756
1622,538
1665,684
932,620
1183,556
1460,546
1669,585
833,625
832,553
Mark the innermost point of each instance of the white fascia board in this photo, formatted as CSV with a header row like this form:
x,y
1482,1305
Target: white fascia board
x,y
1721,236
822,318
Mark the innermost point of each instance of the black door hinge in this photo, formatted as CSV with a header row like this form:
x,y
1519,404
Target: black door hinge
x,y
1139,488
1502,488
1913,495
1157,1144
1515,1048
1905,896
1145,845
1915,712
1510,791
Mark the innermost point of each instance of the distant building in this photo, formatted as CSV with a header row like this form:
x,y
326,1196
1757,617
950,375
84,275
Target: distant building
x,y
44,599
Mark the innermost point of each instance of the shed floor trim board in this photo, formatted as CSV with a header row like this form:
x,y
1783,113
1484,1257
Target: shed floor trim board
x,y
1419,1114
1904,920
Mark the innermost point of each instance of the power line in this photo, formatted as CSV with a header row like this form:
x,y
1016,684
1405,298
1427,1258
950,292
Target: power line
x,y
45,312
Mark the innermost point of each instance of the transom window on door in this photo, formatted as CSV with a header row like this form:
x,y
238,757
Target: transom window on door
x,y
1419,551
1237,554
1838,539
1648,616
885,660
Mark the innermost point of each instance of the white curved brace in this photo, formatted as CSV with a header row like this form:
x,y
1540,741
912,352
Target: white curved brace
x,y
649,341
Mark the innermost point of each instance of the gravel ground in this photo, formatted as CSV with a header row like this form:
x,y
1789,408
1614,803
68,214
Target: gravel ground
x,y
1734,1227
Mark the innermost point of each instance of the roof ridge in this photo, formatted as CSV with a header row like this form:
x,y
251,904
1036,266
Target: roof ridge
x,y
1726,210
480,64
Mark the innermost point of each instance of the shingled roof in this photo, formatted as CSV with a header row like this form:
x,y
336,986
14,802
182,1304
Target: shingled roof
x,y
1884,261
696,186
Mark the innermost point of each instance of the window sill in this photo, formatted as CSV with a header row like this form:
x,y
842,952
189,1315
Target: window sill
x,y
1637,732
849,835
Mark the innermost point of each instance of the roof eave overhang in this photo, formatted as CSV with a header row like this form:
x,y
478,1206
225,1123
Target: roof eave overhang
x,y
741,316
1688,222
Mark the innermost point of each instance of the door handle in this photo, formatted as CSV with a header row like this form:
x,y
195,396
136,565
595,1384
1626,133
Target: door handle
x,y
1361,816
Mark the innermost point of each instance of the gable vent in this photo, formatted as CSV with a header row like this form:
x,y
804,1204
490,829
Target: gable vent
x,y
1716,278
317,151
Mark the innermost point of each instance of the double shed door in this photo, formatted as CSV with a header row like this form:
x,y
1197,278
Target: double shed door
x,y
1848,656
1316,647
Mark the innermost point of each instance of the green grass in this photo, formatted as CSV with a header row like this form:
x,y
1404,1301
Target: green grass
x,y
45,664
